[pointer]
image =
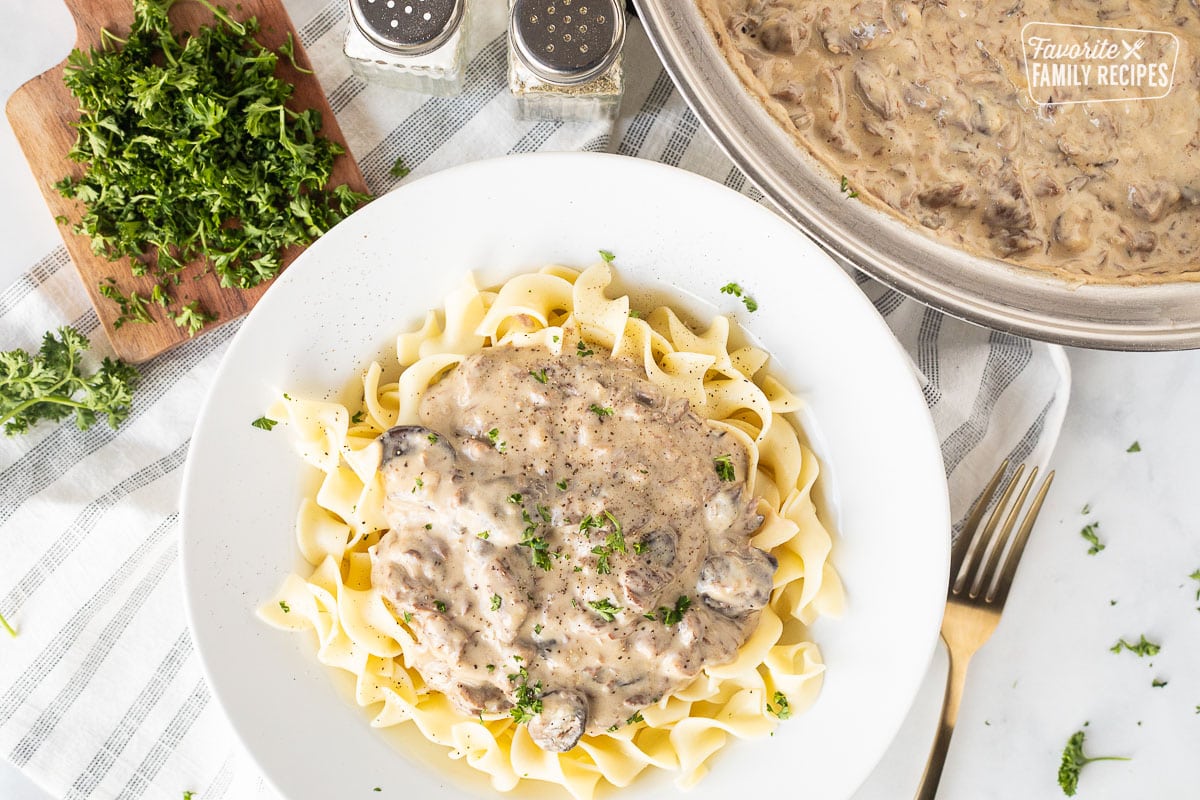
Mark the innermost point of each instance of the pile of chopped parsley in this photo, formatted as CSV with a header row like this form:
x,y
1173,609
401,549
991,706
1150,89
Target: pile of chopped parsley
x,y
191,152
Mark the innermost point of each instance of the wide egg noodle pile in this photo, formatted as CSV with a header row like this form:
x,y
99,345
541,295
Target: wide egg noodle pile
x,y
556,308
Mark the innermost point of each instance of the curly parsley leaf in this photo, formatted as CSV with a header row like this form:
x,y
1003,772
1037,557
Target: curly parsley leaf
x,y
672,616
1089,533
724,466
605,608
600,411
737,291
779,707
399,169
265,423
1142,649
192,318
1073,762
51,386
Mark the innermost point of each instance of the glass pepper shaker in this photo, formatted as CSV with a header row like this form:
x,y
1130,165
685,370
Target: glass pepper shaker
x,y
418,45
564,58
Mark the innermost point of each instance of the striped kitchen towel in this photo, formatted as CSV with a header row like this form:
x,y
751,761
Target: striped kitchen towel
x,y
101,695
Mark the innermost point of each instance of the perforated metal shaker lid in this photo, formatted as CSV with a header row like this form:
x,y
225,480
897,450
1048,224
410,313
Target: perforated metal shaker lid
x,y
567,41
407,27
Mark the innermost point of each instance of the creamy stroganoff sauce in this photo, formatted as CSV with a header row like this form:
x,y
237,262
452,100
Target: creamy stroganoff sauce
x,y
565,537
923,107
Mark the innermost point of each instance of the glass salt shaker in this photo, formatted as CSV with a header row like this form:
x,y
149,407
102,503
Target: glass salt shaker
x,y
564,58
419,45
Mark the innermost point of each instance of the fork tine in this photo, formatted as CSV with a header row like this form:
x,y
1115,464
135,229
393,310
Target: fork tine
x,y
985,575
979,542
971,526
999,592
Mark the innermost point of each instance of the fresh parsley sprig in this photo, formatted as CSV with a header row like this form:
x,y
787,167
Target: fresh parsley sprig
x,y
1073,762
51,386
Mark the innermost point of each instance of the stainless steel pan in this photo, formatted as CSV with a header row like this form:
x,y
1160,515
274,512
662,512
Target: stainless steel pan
x,y
979,289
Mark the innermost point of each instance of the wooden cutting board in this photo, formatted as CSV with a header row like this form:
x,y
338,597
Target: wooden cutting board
x,y
42,112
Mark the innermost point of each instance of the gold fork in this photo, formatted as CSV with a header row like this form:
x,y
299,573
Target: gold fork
x,y
981,573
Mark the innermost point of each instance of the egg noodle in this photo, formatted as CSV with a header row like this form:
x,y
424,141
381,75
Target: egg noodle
x,y
777,671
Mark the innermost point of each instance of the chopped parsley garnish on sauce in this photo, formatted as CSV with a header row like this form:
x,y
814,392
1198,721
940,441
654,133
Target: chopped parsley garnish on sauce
x,y
537,628
635,717
607,256
582,350
539,376
724,465
358,417
428,526
515,497
1073,762
600,411
605,608
433,438
286,608
407,616
539,548
496,602
562,485
544,513
847,189
639,547
779,706
527,700
1089,533
1142,649
493,436
589,522
265,423
484,534
1134,448
418,483
671,616
440,606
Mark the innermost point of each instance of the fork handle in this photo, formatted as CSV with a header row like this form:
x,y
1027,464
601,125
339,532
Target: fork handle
x,y
941,743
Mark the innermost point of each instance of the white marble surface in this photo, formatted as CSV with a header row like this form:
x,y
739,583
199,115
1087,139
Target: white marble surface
x,y
1048,669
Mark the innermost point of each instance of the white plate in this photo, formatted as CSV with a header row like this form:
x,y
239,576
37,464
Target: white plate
x,y
375,274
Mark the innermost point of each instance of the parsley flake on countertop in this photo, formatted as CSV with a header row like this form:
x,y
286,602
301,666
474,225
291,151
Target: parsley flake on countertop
x,y
1073,762
1142,649
1196,577
1134,448
1089,533
607,256
191,151
265,423
50,385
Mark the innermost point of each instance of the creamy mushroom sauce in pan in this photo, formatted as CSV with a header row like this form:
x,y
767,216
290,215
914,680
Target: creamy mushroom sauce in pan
x,y
923,107
568,544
